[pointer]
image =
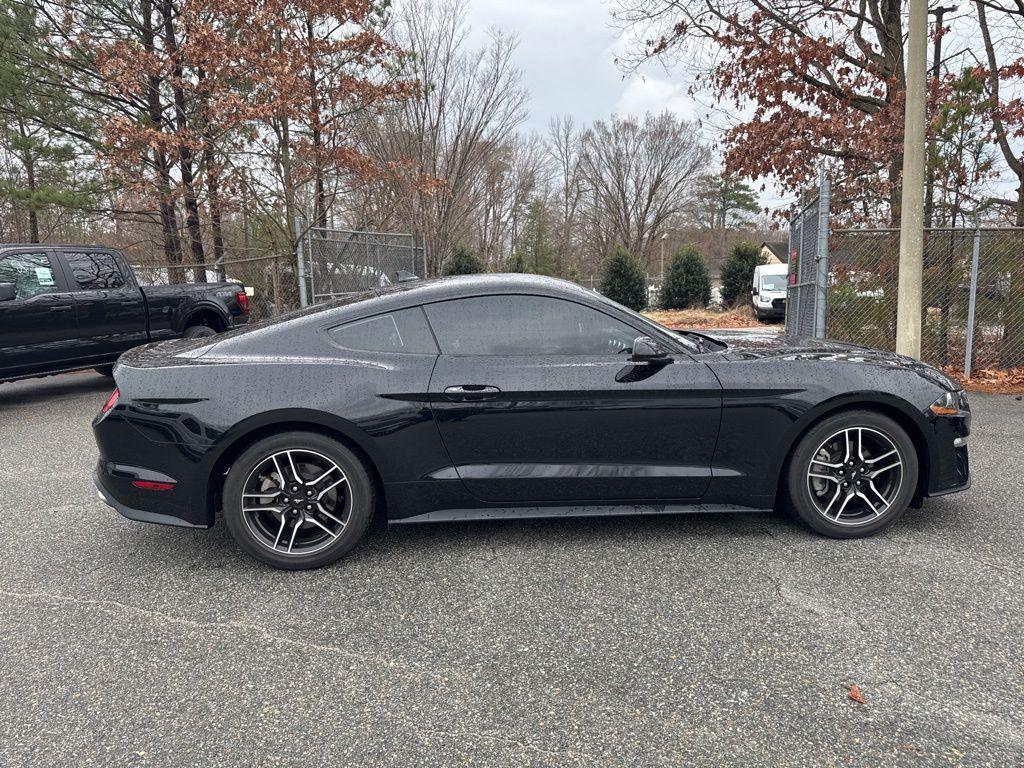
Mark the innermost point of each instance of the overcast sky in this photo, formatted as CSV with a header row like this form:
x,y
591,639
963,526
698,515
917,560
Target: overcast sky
x,y
567,54
567,51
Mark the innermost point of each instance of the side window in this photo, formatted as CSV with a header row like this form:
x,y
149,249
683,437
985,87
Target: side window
x,y
31,273
94,271
526,325
402,331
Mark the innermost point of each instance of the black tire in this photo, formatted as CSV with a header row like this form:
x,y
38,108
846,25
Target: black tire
x,y
809,495
198,332
104,370
249,531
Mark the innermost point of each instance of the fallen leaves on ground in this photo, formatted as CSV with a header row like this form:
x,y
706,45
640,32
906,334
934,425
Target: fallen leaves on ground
x,y
856,695
1002,380
740,317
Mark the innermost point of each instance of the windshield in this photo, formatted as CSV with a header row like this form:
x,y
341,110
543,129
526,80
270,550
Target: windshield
x,y
773,282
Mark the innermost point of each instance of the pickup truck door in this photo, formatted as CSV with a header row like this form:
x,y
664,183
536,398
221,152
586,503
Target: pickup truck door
x,y
38,331
109,306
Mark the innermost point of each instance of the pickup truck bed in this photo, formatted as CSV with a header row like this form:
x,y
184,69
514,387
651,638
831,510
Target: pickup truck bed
x,y
66,307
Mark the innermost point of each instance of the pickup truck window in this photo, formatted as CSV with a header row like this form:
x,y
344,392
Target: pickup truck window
x,y
94,271
31,273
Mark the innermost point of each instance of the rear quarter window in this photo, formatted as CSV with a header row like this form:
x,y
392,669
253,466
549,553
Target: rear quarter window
x,y
403,331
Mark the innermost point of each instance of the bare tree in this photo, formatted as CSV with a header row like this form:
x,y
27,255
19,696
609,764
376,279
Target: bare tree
x,y
564,147
639,174
468,109
512,177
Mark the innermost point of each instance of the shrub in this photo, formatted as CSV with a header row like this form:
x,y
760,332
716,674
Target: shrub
x,y
462,262
687,283
738,271
516,263
623,279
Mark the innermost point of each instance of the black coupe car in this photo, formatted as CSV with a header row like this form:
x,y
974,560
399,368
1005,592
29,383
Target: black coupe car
x,y
513,396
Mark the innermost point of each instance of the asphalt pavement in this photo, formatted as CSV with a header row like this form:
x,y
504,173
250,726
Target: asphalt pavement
x,y
692,640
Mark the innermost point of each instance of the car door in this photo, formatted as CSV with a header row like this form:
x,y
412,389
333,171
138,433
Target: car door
x,y
109,307
537,400
37,327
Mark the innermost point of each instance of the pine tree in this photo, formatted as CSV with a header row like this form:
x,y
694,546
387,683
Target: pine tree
x,y
41,125
687,283
463,262
623,279
738,271
535,248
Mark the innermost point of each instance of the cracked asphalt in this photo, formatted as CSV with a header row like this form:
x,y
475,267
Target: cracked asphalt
x,y
701,640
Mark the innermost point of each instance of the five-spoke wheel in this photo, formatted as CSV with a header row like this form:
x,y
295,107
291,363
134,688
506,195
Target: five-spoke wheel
x,y
853,474
298,500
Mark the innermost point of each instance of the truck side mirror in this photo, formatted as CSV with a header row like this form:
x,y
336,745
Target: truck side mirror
x,y
8,291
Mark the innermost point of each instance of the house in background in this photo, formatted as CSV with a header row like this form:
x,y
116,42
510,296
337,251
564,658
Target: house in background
x,y
775,253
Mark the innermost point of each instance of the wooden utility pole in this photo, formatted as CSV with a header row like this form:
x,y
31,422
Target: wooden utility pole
x,y
908,309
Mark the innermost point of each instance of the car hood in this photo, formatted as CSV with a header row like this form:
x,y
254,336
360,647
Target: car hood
x,y
757,344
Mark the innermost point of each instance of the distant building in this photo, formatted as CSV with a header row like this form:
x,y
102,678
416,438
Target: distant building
x,y
775,253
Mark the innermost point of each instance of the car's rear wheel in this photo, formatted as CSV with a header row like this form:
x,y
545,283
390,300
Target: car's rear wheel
x,y
104,370
298,500
853,474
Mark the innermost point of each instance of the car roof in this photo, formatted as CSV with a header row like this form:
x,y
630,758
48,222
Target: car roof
x,y
440,289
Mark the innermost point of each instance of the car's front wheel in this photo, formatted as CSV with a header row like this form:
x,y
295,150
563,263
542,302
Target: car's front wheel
x,y
853,474
298,500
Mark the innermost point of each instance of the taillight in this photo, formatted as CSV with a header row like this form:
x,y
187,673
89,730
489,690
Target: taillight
x,y
111,401
152,485
243,301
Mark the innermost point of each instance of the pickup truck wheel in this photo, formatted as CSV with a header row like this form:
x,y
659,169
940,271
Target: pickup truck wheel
x,y
198,331
104,370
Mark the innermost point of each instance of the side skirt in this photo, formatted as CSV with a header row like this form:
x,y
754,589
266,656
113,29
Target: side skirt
x,y
520,513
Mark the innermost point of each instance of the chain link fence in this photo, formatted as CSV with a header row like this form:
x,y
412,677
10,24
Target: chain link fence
x,y
339,262
270,281
986,264
808,254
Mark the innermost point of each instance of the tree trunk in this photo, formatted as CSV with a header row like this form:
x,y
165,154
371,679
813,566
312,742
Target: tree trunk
x,y
320,195
165,198
33,216
185,158
209,161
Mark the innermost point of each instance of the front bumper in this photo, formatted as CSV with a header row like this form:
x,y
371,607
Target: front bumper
x,y
950,467
770,311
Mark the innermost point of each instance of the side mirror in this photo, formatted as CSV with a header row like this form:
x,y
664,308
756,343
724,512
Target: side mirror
x,y
647,350
753,291
404,276
8,291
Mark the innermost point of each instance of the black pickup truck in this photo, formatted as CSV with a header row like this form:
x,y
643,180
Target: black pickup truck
x,y
69,307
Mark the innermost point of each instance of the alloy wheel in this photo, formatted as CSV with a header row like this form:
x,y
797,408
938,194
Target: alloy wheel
x,y
855,475
296,501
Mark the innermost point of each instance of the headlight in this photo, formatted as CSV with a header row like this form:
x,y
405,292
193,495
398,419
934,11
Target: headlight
x,y
950,404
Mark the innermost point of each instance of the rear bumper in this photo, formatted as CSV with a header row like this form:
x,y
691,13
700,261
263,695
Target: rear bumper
x,y
140,515
114,482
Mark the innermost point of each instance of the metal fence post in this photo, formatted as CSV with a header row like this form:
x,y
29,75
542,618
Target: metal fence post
x,y
300,236
821,257
969,352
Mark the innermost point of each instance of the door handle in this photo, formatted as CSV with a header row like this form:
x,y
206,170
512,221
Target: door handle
x,y
60,309
471,391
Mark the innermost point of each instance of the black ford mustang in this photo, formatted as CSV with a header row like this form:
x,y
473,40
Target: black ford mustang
x,y
513,396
